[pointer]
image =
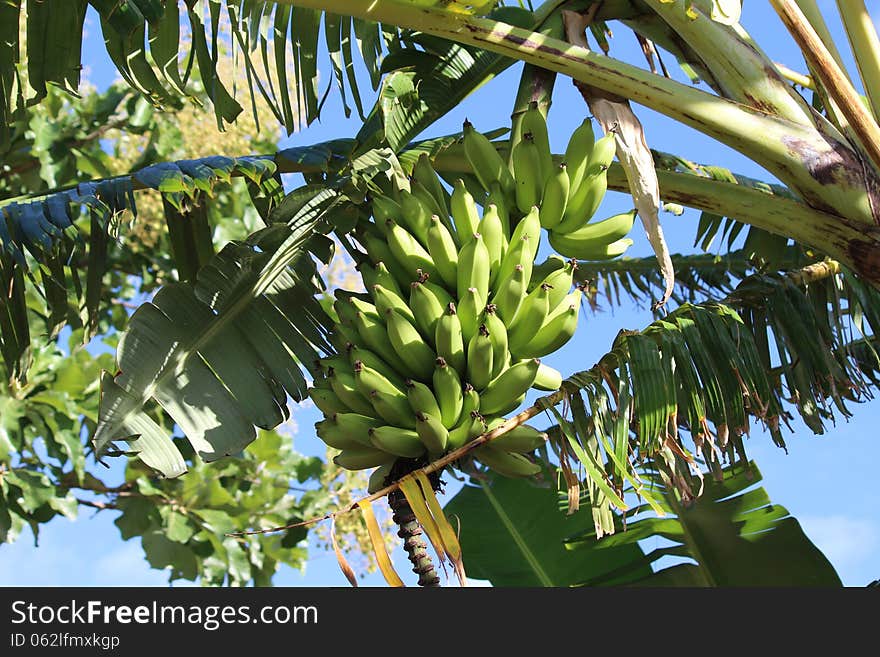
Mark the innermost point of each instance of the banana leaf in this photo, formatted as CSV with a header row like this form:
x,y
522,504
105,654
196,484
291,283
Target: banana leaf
x,y
731,535
512,534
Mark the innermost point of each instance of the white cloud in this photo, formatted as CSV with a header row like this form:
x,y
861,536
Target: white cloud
x,y
845,540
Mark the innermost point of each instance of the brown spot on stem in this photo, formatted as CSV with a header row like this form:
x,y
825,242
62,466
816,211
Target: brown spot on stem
x,y
836,165
865,257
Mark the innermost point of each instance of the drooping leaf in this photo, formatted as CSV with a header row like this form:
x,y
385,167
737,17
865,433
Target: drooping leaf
x,y
221,356
732,535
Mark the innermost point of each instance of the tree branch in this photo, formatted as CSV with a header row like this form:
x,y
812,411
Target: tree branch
x,y
100,506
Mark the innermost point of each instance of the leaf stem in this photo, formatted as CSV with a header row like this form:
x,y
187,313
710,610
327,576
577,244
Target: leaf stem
x,y
789,150
865,45
832,76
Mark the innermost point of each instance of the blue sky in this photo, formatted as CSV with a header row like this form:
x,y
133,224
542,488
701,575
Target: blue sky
x,y
824,481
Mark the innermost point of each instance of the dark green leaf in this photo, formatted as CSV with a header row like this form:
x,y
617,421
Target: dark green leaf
x,y
512,534
733,534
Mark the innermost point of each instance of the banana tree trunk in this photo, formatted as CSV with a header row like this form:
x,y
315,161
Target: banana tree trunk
x,y
812,159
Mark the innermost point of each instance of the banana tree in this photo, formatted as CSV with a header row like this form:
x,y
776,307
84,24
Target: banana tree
x,y
221,350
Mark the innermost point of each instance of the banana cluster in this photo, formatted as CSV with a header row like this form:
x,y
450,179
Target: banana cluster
x,y
567,194
447,338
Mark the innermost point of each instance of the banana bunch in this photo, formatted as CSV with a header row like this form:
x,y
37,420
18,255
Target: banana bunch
x,y
448,336
569,194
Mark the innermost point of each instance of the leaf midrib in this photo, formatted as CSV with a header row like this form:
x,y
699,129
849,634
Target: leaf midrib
x,y
529,556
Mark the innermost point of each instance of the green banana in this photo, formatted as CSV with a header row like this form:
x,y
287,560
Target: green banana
x,y
494,423
385,208
421,398
449,340
577,153
560,281
424,174
340,341
329,431
609,251
426,308
519,254
485,161
397,441
416,216
410,346
409,252
439,291
425,197
529,227
367,380
505,463
512,405
432,433
521,439
368,273
319,380
385,278
534,123
474,268
464,210
364,307
510,384
498,331
378,478
526,162
444,252
479,359
345,312
556,331
584,203
351,295
502,204
355,425
492,231
374,361
555,197
602,154
327,401
374,335
336,362
379,251
466,430
510,293
386,299
347,333
531,316
586,241
548,378
448,391
393,409
470,401
343,384
362,458
613,250
469,308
